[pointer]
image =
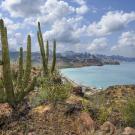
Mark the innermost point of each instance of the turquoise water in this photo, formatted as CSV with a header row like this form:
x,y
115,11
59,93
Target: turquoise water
x,y
102,76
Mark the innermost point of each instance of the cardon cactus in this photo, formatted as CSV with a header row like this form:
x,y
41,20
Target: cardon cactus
x,y
7,78
13,95
45,54
42,49
28,63
54,57
20,72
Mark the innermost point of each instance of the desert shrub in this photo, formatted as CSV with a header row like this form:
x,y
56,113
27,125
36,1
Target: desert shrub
x,y
104,114
55,92
128,111
51,90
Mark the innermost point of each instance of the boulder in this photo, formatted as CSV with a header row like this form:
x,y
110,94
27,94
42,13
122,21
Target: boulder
x,y
87,121
78,91
129,131
108,128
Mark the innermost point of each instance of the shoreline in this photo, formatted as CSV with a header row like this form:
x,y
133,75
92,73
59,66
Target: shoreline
x,y
85,89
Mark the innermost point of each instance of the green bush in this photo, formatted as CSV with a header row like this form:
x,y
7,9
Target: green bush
x,y
128,111
51,90
104,114
55,92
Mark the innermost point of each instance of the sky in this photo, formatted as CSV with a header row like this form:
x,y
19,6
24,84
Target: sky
x,y
94,26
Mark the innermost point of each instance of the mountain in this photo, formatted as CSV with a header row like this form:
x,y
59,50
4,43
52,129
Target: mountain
x,y
73,59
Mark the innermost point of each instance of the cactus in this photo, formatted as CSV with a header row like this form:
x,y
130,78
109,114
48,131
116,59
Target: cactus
x,y
6,64
54,57
47,53
28,63
20,72
42,50
12,95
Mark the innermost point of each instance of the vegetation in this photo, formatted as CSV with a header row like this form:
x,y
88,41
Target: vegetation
x,y
45,54
54,57
15,85
42,50
129,112
14,93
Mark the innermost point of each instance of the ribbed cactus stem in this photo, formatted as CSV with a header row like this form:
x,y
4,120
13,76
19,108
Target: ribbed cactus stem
x,y
47,53
28,63
54,57
42,50
7,77
20,71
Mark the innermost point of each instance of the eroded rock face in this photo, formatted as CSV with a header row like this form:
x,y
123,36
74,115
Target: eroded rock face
x,y
129,131
108,128
87,121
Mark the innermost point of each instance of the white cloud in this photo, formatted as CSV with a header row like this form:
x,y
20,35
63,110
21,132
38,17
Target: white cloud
x,y
22,8
126,44
80,2
64,31
98,45
54,10
111,22
82,9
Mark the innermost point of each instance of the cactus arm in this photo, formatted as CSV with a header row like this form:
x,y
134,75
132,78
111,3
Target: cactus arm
x,y
20,95
20,72
28,63
42,50
54,57
47,53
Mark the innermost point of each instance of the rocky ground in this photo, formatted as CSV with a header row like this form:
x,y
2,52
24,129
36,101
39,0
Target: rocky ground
x,y
74,116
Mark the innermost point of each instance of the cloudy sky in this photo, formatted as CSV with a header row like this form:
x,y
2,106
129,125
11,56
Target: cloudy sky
x,y
95,26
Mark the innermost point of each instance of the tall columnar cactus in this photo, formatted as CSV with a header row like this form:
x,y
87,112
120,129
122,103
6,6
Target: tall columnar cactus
x,y
8,84
42,50
13,94
28,63
20,72
54,57
47,53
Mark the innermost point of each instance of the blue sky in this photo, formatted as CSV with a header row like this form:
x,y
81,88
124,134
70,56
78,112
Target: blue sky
x,y
94,26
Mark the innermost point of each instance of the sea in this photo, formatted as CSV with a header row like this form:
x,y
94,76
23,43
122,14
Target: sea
x,y
102,77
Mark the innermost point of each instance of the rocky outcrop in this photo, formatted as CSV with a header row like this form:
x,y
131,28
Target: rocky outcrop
x,y
129,131
108,128
87,121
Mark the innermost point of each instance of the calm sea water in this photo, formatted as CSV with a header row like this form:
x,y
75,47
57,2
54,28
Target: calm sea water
x,y
102,76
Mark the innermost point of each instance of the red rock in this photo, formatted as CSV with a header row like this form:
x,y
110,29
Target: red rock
x,y
129,131
87,121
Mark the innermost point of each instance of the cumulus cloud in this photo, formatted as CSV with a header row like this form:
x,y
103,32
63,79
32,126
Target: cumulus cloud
x,y
80,2
126,44
82,9
63,31
98,45
111,22
22,8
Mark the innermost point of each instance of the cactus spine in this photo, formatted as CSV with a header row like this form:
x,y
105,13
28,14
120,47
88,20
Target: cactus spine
x,y
54,57
8,84
42,50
